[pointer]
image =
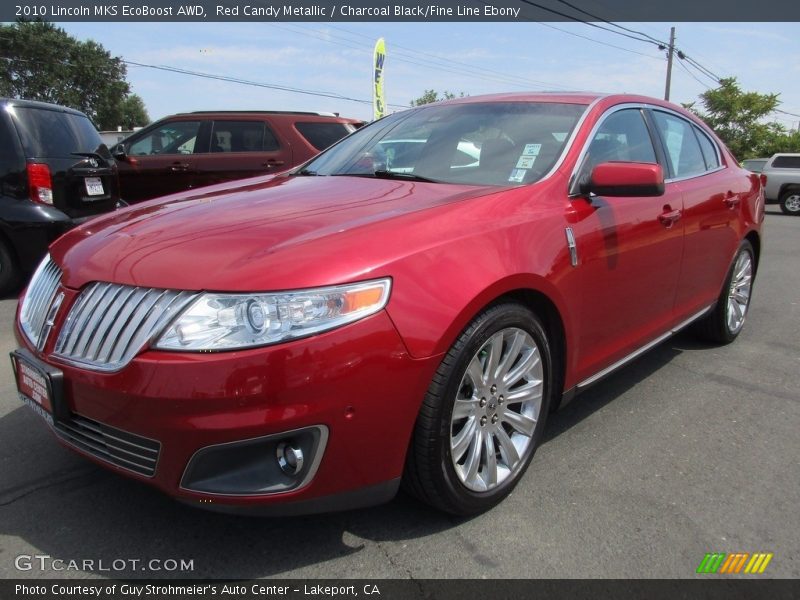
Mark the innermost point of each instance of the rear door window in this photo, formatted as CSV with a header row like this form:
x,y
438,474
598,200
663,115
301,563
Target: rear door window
x,y
49,133
242,136
322,135
683,149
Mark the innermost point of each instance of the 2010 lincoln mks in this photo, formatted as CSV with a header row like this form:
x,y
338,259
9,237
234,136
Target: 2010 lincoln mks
x,y
405,308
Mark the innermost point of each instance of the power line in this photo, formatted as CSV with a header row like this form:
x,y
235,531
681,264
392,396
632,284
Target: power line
x,y
589,23
587,13
443,64
597,41
271,86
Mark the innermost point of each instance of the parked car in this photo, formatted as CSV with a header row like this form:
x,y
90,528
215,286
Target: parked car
x,y
55,172
781,179
308,341
755,165
196,149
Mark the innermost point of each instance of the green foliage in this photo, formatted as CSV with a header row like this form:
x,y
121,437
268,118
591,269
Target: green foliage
x,y
430,96
45,63
739,119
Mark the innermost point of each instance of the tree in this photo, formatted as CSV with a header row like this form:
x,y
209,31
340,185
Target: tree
x,y
739,119
133,112
430,96
43,62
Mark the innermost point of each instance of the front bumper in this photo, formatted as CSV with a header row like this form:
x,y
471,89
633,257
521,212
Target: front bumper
x,y
357,382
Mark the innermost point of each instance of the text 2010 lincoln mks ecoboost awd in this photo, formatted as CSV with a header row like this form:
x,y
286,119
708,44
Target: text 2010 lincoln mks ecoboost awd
x,y
403,309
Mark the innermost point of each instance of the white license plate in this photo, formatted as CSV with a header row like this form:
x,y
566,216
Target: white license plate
x,y
94,186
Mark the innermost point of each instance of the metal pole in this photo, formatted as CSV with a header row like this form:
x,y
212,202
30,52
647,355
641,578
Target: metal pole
x,y
670,52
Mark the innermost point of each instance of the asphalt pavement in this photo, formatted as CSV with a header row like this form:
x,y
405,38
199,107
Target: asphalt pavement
x,y
691,449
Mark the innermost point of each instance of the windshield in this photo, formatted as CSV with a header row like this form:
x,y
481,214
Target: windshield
x,y
497,143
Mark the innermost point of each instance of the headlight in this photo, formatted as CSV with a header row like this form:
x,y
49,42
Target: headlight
x,y
229,321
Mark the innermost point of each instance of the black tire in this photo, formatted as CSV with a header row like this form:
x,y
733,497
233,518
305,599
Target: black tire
x,y
430,474
715,327
790,203
9,271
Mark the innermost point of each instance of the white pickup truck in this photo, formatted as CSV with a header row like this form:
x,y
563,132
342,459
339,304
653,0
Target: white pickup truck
x,y
781,179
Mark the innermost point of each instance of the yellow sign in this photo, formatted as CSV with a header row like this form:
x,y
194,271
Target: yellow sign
x,y
378,59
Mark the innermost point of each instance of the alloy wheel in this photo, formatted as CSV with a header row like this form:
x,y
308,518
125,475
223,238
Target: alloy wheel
x,y
496,410
739,292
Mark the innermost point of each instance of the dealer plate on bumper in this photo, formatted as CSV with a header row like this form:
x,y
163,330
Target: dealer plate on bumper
x,y
40,386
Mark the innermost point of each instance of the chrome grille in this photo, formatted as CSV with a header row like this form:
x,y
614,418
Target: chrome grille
x,y
109,323
124,449
36,303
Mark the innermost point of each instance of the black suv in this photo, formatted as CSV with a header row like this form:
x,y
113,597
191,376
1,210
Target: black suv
x,y
55,172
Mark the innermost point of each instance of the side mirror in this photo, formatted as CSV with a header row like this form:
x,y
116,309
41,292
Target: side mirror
x,y
625,179
118,152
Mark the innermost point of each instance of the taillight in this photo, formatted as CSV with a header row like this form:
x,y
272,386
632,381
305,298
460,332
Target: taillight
x,y
763,180
40,184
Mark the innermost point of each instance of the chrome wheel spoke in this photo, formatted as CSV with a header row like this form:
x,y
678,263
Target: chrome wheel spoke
x,y
459,444
532,390
508,451
525,425
473,462
475,372
495,349
464,408
526,363
490,469
511,354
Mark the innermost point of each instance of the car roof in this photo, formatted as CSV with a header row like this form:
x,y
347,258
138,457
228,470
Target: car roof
x,y
41,105
287,113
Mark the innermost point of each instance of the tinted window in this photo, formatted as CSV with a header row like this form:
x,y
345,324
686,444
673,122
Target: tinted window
x,y
50,133
177,137
786,162
242,136
708,149
322,135
623,136
493,143
683,149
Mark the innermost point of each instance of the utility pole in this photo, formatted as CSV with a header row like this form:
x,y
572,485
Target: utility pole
x,y
670,52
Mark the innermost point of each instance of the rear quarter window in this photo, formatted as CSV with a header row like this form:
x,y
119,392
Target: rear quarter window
x,y
49,133
322,135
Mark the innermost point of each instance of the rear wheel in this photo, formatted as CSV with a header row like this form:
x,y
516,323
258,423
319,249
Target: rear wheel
x,y
484,413
790,203
726,320
9,270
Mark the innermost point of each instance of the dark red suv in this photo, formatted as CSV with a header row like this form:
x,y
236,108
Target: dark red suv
x,y
195,149
307,341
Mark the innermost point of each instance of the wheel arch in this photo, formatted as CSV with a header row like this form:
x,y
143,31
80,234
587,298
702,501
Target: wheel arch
x,y
755,240
539,296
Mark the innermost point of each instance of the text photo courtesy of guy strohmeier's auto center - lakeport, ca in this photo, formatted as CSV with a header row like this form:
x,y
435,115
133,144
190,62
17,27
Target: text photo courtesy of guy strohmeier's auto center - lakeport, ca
x,y
402,300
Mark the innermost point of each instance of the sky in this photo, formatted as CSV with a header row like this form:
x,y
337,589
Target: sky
x,y
473,58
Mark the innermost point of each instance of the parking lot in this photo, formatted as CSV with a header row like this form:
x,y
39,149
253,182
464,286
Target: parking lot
x,y
691,449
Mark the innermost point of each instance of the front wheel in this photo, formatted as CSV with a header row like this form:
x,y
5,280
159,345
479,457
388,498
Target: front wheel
x,y
790,203
726,320
483,414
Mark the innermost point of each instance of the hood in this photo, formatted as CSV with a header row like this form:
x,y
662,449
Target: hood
x,y
251,235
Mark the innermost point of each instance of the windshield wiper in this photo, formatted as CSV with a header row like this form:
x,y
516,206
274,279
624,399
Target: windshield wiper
x,y
384,174
306,173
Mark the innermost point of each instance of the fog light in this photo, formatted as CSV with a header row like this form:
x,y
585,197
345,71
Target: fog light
x,y
290,459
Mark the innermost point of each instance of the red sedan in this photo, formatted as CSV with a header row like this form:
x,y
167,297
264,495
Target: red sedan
x,y
406,308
